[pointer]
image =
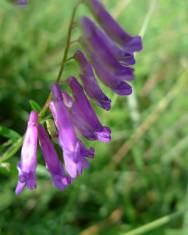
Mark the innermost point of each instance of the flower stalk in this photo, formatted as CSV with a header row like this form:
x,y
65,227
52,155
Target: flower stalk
x,y
64,59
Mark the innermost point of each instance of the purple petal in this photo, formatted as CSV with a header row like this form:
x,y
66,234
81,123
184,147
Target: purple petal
x,y
90,83
70,144
67,136
121,55
118,86
90,153
84,115
51,159
113,29
61,182
99,46
74,168
77,119
83,127
27,165
19,188
126,58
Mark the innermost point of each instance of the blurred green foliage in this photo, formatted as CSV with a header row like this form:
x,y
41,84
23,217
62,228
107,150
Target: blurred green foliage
x,y
152,179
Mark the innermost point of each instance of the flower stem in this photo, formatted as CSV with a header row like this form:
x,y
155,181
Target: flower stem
x,y
67,42
64,59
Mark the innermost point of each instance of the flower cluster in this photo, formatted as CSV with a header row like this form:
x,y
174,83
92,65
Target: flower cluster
x,y
110,56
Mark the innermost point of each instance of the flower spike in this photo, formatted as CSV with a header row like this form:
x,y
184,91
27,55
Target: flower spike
x,y
109,56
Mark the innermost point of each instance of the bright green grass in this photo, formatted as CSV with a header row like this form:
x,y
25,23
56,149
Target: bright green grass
x,y
149,182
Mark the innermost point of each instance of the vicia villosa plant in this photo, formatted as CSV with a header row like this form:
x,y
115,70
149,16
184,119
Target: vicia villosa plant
x,y
106,52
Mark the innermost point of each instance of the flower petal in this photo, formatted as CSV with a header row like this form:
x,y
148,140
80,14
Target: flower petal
x,y
86,119
90,83
70,144
118,86
53,164
113,29
98,45
27,165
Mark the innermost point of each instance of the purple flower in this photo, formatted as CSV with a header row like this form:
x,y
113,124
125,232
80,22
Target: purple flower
x,y
27,165
53,164
113,29
109,79
99,46
74,152
90,83
85,117
80,122
125,58
120,54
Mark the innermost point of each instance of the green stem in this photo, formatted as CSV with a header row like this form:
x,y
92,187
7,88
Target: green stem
x,y
67,42
64,59
45,107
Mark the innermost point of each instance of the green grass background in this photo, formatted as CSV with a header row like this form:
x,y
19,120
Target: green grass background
x,y
110,198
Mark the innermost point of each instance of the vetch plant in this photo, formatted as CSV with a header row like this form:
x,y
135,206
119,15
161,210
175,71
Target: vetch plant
x,y
106,52
137,181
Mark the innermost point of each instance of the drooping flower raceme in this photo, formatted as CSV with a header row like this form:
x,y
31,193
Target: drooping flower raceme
x,y
74,151
27,165
109,55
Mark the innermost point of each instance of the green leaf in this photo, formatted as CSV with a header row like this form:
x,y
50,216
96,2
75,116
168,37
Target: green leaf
x,y
34,105
11,150
8,133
